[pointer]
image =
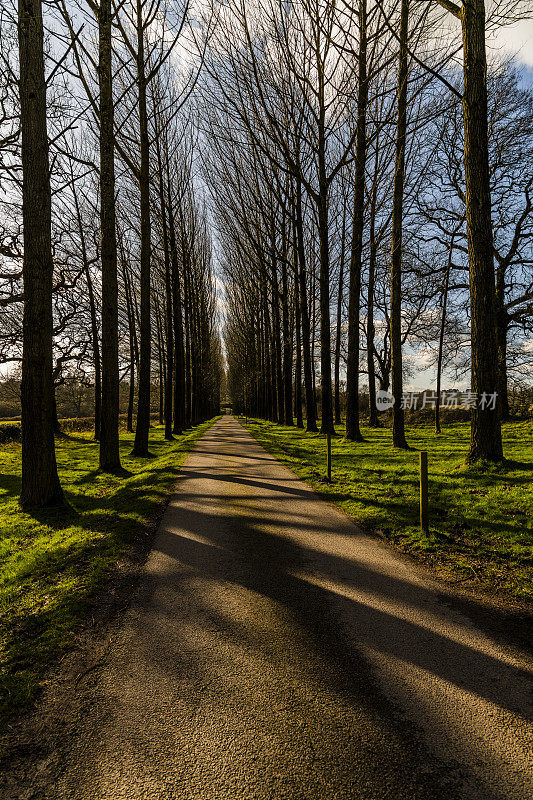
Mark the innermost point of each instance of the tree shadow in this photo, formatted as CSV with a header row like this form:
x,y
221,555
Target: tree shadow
x,y
241,550
10,485
56,517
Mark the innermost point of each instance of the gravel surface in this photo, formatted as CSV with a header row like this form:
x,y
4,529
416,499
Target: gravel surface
x,y
274,651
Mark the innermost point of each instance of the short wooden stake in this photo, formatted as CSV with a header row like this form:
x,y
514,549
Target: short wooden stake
x,y
424,522
329,456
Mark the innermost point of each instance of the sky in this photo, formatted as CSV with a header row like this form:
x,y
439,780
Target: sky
x,y
516,40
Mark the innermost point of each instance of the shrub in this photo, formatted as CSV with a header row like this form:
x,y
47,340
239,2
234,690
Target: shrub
x,y
10,432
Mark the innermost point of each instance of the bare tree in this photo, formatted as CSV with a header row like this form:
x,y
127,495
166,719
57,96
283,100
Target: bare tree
x,y
398,431
40,481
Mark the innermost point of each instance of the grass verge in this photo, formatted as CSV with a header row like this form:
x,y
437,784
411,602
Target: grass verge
x,y
54,565
481,530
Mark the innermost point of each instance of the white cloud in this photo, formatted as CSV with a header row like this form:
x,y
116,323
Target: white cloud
x,y
515,40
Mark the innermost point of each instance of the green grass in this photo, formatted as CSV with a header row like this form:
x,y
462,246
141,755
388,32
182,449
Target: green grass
x,y
53,565
481,530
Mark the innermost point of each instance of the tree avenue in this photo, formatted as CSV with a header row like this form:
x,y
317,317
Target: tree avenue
x,y
353,99
316,201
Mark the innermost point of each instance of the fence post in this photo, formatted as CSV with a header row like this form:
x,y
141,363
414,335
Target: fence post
x,y
329,456
424,523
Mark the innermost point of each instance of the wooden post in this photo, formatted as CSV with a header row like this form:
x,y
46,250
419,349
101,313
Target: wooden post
x,y
424,523
329,456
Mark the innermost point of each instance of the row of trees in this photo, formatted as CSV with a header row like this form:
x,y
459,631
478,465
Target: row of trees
x,y
369,181
104,242
373,202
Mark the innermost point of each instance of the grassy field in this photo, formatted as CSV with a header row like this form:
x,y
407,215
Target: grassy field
x,y
481,529
53,566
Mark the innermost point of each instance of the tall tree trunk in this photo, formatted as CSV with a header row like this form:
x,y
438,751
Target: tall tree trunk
x,y
140,447
161,364
169,377
353,431
274,371
40,482
188,409
179,361
276,333
179,377
195,364
338,333
132,342
269,375
298,411
441,336
313,329
96,359
398,425
287,347
370,328
485,436
109,440
298,364
169,323
259,387
304,312
192,353
325,328
502,324
263,364
131,390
